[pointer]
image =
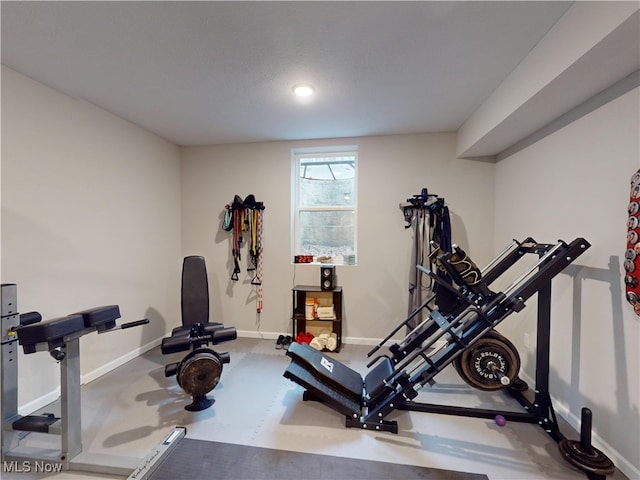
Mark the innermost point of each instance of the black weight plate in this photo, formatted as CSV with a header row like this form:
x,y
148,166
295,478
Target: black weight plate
x,y
594,461
199,372
474,363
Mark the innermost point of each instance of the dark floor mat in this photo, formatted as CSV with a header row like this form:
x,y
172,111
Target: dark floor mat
x,y
200,460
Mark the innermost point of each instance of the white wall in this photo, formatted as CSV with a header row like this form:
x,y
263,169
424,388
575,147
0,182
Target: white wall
x,y
390,168
90,217
592,46
575,183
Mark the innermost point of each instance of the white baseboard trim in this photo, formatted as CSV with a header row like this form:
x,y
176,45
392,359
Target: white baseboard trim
x,y
107,367
261,335
44,400
38,403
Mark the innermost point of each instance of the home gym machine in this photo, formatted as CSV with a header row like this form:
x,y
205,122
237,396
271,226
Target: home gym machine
x,y
461,331
61,338
199,371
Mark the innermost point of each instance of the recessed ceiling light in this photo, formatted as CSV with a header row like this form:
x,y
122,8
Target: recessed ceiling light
x,y
303,90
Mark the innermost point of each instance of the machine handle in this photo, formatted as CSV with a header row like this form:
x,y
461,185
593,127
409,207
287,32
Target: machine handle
x,y
137,323
224,335
224,357
177,343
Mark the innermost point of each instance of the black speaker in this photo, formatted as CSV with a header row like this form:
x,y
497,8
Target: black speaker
x,y
327,277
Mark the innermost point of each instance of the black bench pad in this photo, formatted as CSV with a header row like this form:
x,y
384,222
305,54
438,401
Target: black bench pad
x,y
332,371
100,316
51,331
337,399
374,384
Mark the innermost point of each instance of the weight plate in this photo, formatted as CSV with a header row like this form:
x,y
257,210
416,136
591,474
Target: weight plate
x,y
594,461
199,372
629,266
632,279
477,363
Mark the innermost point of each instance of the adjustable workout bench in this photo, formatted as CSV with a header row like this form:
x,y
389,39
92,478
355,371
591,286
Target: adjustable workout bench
x,y
61,338
458,328
199,371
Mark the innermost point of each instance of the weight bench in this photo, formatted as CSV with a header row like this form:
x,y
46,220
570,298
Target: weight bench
x,y
199,371
34,334
462,333
61,338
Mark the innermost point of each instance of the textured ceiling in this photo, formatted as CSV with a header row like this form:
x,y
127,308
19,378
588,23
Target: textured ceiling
x,y
201,73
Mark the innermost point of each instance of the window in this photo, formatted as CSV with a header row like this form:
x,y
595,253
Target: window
x,y
324,183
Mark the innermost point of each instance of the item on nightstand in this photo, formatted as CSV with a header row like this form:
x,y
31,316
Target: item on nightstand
x,y
310,306
332,342
349,259
304,337
327,277
326,313
316,343
323,341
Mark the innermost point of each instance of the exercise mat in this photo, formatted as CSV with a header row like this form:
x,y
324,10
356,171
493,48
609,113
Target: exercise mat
x,y
200,460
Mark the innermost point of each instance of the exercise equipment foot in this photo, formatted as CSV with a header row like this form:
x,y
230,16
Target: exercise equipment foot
x,y
200,402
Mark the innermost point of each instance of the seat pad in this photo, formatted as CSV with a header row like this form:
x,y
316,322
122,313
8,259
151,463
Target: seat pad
x,y
327,367
100,316
50,331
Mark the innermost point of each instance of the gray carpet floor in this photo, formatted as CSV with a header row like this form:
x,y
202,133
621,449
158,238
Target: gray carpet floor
x,y
131,410
204,460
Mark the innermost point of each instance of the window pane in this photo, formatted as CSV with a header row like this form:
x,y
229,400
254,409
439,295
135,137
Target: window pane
x,y
318,193
327,181
327,233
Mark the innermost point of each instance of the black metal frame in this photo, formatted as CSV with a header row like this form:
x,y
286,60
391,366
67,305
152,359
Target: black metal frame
x,y
540,410
497,309
414,361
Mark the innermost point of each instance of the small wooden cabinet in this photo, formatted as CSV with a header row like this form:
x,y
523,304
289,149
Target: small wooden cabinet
x,y
323,299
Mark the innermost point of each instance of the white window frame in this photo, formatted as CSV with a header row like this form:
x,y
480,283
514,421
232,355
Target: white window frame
x,y
297,154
